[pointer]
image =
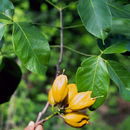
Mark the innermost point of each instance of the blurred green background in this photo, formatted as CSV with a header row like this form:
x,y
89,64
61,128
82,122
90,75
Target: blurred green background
x,y
32,92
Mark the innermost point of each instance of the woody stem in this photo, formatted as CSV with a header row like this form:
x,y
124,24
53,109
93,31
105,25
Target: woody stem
x,y
61,43
45,119
42,112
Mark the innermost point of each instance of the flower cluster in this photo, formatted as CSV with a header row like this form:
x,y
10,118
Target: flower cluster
x,y
71,101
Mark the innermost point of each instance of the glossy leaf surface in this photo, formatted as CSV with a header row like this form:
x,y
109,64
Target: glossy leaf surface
x,y
96,17
31,47
116,48
93,76
6,10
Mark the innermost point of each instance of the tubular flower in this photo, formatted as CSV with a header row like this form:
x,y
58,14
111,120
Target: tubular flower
x,y
81,100
76,119
50,98
59,88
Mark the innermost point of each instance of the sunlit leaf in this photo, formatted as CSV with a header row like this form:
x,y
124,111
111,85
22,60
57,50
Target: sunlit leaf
x,y
93,75
6,10
31,47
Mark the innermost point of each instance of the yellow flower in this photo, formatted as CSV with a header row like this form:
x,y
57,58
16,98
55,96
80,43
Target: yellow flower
x,y
76,119
50,98
59,88
72,91
81,100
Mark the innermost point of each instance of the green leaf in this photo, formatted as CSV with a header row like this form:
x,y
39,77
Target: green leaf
x,y
120,26
96,17
6,10
31,47
114,43
93,75
2,29
117,48
119,10
121,77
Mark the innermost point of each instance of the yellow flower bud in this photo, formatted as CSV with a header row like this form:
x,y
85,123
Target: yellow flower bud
x,y
81,100
76,119
59,88
72,92
50,98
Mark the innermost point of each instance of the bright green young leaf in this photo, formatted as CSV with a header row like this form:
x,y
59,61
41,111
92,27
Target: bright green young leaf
x,y
116,48
6,10
96,17
31,47
2,29
93,75
119,10
121,78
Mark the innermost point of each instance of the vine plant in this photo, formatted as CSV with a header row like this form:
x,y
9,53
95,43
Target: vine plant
x,y
32,48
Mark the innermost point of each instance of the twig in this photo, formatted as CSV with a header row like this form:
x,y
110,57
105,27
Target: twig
x,y
69,5
38,121
52,4
43,120
73,50
44,24
57,27
61,43
73,26
42,112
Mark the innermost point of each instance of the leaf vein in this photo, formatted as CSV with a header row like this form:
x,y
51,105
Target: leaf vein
x,y
28,42
97,18
95,72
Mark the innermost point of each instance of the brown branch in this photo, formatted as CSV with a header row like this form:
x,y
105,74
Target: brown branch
x,y
42,112
38,121
61,43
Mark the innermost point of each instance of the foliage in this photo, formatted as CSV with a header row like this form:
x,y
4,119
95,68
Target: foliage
x,y
98,19
31,47
107,21
98,83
